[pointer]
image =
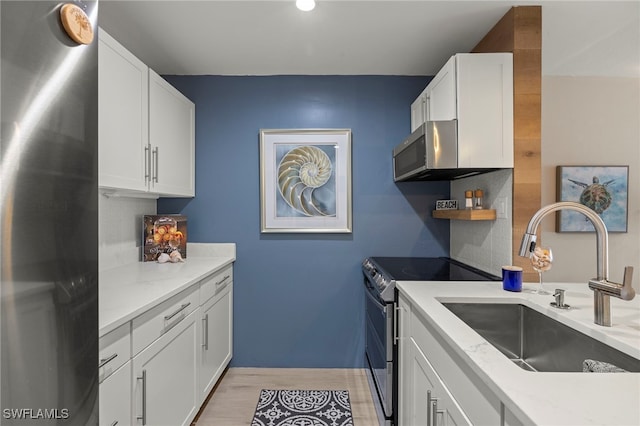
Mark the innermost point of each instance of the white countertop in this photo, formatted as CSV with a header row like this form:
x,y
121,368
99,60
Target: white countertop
x,y
129,290
542,398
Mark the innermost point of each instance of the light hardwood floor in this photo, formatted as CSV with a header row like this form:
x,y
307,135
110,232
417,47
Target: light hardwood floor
x,y
234,400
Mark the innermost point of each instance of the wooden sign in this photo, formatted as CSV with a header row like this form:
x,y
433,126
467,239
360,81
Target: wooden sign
x,y
76,23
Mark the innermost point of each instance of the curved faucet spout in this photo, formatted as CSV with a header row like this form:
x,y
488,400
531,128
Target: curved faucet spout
x,y
601,286
602,240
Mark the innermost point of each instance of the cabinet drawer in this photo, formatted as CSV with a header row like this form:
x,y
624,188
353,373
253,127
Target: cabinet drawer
x,y
161,318
214,283
115,350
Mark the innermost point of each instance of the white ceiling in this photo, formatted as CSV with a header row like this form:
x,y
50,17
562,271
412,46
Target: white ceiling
x,y
362,37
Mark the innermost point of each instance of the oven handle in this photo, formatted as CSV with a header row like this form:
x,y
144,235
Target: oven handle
x,y
395,324
376,301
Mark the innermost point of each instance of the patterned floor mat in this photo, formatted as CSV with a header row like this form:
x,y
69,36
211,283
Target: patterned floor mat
x,y
303,408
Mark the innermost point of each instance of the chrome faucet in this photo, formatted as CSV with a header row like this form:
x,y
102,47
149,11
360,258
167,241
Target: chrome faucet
x,y
601,286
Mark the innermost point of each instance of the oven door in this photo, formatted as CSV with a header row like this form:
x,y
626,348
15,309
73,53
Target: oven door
x,y
379,346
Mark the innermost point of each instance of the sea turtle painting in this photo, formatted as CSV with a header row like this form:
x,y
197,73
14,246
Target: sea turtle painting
x,y
603,189
596,196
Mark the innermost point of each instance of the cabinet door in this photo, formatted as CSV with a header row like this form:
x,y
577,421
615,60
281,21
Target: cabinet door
x,y
441,94
217,333
172,139
165,377
430,401
115,398
418,111
485,109
405,377
123,117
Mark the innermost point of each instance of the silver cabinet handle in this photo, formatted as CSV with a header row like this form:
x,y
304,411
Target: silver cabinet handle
x,y
180,309
427,109
106,360
424,109
147,164
223,280
205,330
429,408
114,423
156,154
143,417
434,412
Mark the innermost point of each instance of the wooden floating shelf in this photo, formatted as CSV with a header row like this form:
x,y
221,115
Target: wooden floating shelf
x,y
484,214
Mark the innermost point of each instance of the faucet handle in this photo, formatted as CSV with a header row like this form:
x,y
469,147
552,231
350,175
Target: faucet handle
x,y
627,292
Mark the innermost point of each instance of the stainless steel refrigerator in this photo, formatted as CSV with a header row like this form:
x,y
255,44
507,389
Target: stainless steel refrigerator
x,y
49,218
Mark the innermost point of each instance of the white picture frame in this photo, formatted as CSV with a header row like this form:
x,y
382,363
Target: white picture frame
x,y
305,181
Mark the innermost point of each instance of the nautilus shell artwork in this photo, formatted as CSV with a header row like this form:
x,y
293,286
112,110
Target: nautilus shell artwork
x,y
302,173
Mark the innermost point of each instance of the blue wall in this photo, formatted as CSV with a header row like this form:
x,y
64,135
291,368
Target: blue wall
x,y
299,297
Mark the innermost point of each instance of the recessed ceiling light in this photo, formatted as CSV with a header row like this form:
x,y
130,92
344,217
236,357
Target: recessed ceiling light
x,y
305,5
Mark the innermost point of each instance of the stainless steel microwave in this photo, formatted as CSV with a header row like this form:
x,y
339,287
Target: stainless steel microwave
x,y
431,153
433,145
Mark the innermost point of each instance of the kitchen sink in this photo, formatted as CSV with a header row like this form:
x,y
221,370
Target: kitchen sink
x,y
536,342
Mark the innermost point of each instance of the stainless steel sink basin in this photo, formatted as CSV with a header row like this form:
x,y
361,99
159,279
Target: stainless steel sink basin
x,y
536,342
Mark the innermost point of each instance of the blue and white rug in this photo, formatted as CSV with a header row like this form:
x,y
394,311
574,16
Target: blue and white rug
x,y
303,408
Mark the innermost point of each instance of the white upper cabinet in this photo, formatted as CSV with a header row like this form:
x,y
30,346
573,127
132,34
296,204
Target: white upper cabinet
x,y
172,139
418,111
146,127
441,94
123,116
476,89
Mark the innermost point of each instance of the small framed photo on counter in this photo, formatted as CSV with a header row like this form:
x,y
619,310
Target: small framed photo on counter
x,y
163,234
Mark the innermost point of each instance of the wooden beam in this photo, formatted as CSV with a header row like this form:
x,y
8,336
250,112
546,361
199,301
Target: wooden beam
x,y
520,32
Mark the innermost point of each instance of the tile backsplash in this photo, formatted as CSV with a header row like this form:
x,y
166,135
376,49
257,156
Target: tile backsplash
x,y
485,245
120,229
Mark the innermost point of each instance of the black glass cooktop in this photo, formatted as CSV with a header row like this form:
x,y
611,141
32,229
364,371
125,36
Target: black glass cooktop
x,y
429,269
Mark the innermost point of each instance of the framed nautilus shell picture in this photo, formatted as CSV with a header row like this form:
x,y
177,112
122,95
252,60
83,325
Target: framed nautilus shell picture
x,y
305,180
604,189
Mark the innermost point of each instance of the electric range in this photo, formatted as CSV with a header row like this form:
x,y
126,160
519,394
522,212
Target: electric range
x,y
381,351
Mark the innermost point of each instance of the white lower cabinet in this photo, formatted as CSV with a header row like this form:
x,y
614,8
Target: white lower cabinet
x,y
165,377
115,398
430,401
435,387
158,368
114,375
216,346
